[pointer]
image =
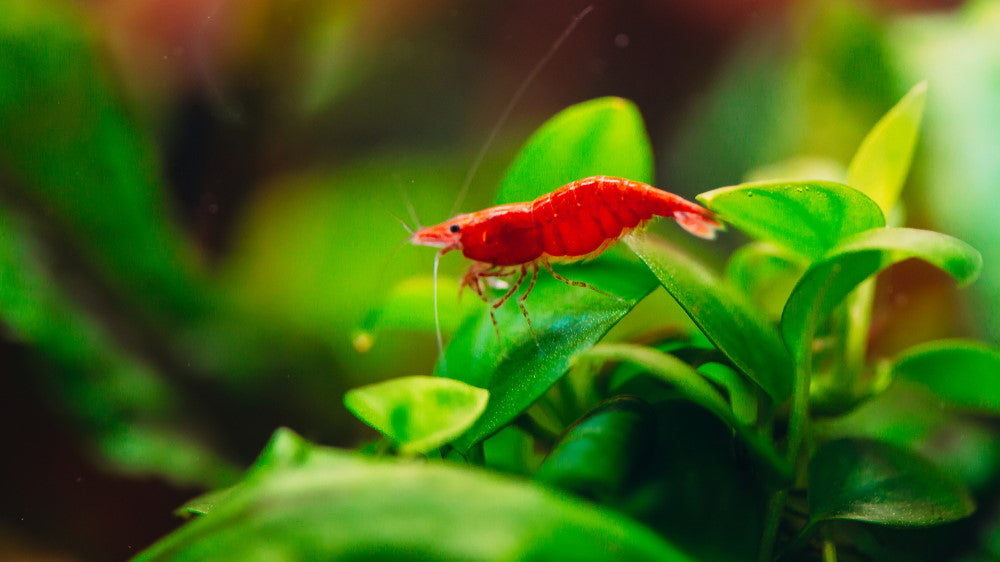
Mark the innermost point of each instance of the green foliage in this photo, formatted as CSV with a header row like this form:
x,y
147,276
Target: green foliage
x,y
966,374
319,503
418,413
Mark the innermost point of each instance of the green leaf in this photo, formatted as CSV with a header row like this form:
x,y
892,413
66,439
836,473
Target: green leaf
x,y
829,280
766,273
964,373
875,482
419,413
669,369
809,217
599,455
880,166
604,136
516,367
75,154
742,396
338,506
728,319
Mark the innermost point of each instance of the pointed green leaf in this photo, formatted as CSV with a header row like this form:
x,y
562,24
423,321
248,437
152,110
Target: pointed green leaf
x,y
875,482
728,319
809,217
964,373
604,136
880,166
339,506
419,413
828,281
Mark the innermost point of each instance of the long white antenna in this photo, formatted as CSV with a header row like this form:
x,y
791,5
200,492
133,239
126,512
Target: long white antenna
x,y
513,102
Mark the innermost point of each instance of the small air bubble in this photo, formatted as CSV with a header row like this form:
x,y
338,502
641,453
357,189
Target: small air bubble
x,y
621,40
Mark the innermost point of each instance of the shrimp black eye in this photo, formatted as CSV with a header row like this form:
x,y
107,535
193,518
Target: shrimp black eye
x,y
454,228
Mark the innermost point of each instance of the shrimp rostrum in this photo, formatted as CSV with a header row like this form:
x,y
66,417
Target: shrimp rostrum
x,y
575,222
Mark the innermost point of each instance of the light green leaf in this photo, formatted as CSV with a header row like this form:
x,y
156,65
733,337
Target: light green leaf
x,y
880,166
338,506
766,273
828,281
964,373
875,482
604,136
419,413
728,319
809,217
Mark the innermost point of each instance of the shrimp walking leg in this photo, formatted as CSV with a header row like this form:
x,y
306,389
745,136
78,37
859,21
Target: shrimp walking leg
x,y
573,283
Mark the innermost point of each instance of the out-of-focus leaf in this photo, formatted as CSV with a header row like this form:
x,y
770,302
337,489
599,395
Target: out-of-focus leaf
x,y
964,373
742,397
829,280
338,506
766,273
120,403
419,413
882,162
875,482
800,168
599,455
409,306
809,217
724,315
511,450
604,136
910,417
69,148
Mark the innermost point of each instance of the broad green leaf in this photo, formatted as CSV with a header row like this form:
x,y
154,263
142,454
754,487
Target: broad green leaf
x,y
961,372
728,319
908,415
875,482
339,506
829,280
604,136
419,413
741,393
880,166
520,364
766,273
809,217
70,148
511,450
599,455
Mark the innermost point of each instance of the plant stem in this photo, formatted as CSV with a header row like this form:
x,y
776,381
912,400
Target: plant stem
x,y
829,551
798,417
775,508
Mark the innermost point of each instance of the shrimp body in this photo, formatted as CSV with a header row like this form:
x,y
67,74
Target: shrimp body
x,y
577,221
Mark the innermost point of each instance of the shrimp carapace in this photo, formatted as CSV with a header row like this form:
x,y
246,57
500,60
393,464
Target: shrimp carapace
x,y
577,221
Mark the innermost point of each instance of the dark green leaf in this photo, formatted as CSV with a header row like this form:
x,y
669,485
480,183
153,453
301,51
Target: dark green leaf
x,y
809,217
599,455
511,450
828,281
882,162
964,373
418,413
880,483
604,136
728,319
338,506
517,368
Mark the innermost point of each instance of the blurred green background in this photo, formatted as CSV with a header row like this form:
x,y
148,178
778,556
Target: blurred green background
x,y
197,202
